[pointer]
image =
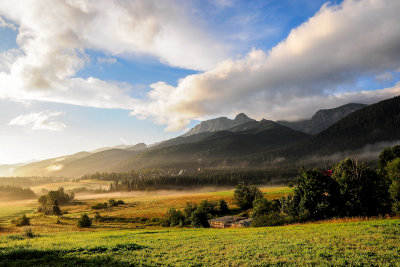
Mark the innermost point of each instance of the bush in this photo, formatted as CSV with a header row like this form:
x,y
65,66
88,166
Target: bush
x,y
97,216
29,233
22,221
270,219
114,202
99,206
84,221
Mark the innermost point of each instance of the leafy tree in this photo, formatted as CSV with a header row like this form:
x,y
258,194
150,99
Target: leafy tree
x,y
56,209
47,202
199,218
387,155
393,172
290,205
316,194
187,212
208,207
223,207
261,206
84,221
363,191
244,195
174,218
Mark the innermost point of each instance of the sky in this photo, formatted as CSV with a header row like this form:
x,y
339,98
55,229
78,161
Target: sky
x,y
77,75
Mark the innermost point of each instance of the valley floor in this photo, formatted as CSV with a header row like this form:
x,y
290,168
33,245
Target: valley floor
x,y
373,242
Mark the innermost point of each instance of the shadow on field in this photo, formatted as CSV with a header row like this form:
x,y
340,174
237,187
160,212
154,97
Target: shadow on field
x,y
85,257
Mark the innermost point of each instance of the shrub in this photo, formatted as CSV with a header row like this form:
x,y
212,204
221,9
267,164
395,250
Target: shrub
x,y
97,216
84,221
270,219
22,221
114,202
99,206
29,233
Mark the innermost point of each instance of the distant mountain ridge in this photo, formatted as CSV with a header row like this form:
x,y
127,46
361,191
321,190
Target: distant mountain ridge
x,y
218,124
323,118
379,122
243,142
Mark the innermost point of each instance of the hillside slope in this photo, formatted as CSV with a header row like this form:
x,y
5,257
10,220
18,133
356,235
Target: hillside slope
x,y
323,118
252,137
372,124
75,167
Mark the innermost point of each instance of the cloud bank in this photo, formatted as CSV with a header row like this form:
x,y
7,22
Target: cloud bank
x,y
334,48
53,43
308,70
43,120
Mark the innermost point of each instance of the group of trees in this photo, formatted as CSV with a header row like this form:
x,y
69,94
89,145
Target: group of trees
x,y
196,215
111,203
49,204
8,192
349,189
29,181
160,178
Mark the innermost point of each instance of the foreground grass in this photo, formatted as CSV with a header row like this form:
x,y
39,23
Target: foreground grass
x,y
375,242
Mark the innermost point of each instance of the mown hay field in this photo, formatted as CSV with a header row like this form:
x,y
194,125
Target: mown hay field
x,y
373,242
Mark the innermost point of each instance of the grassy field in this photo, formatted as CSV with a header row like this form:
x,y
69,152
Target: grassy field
x,y
59,242
10,210
375,242
155,204
137,204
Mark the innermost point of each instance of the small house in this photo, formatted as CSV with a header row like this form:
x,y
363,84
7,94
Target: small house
x,y
230,222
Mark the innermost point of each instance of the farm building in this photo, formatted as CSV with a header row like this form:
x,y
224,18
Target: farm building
x,y
230,222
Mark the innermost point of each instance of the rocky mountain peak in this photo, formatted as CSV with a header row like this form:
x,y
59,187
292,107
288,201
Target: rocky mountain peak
x,y
219,124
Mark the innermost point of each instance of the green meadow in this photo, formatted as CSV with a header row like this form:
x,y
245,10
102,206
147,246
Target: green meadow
x,y
8,212
373,242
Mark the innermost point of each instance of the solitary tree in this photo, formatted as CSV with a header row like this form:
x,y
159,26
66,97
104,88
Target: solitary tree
x,y
244,195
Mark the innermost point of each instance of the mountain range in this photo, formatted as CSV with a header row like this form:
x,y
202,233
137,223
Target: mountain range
x,y
241,141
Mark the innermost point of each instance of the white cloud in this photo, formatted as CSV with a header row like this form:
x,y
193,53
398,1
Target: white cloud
x,y
5,24
52,47
107,60
334,48
43,120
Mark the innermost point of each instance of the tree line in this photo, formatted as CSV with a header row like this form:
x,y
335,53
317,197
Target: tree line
x,y
350,189
154,179
15,193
